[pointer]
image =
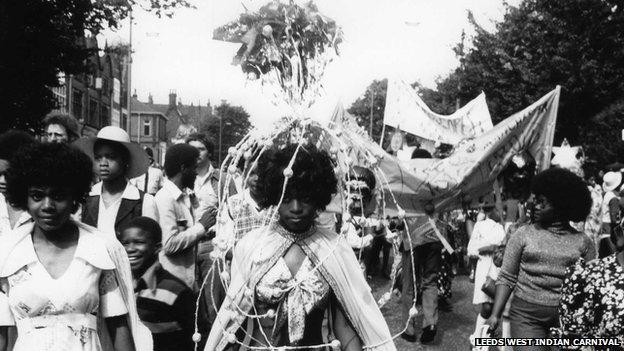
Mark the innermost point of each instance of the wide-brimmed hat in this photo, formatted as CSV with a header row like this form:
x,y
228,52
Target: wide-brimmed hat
x,y
611,180
139,161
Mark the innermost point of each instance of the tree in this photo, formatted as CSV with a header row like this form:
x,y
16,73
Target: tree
x,y
232,121
543,43
42,39
361,108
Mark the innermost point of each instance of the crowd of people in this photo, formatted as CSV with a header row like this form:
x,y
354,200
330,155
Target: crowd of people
x,y
103,249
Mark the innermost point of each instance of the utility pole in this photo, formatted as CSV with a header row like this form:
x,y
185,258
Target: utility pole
x,y
220,136
461,54
370,126
129,107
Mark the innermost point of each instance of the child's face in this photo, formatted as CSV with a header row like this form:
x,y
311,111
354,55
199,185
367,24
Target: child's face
x,y
140,247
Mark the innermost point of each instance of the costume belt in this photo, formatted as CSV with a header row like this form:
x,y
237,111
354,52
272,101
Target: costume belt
x,y
76,321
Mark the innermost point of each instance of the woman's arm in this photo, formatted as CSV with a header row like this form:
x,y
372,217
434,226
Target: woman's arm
x,y
500,300
120,333
349,340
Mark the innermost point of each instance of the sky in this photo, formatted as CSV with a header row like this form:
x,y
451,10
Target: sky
x,y
396,39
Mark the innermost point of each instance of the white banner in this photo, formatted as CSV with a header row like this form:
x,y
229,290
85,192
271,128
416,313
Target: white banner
x,y
406,110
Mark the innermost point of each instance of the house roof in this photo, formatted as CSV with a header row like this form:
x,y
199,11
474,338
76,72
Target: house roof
x,y
141,107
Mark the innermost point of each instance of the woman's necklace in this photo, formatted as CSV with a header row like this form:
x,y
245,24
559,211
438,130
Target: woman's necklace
x,y
295,237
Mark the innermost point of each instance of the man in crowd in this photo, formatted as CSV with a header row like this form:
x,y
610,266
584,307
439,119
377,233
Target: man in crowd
x,y
60,128
427,250
207,181
205,190
151,181
182,228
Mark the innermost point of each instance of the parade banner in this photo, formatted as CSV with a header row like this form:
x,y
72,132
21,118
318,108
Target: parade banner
x,y
406,110
470,171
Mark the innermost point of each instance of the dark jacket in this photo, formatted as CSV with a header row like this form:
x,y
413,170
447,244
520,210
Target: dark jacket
x,y
128,209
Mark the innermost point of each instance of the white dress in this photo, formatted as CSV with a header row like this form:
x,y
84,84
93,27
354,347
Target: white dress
x,y
59,314
485,232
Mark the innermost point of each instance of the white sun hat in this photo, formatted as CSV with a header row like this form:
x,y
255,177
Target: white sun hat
x,y
139,161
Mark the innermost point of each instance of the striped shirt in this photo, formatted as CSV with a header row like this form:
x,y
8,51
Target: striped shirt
x,y
167,308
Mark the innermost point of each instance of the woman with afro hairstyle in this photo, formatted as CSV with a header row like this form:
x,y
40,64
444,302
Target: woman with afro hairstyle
x,y
285,276
58,276
537,255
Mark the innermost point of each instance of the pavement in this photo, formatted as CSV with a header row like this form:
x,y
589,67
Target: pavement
x,y
454,326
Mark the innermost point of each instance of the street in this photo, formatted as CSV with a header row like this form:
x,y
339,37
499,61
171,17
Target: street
x,y
454,326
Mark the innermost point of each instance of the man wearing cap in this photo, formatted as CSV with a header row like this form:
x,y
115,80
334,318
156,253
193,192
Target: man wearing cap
x,y
113,202
611,216
60,128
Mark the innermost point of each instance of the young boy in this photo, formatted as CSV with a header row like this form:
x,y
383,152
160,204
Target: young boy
x,y
165,304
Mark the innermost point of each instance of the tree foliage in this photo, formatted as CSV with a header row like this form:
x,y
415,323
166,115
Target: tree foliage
x,y
233,121
577,44
361,108
42,39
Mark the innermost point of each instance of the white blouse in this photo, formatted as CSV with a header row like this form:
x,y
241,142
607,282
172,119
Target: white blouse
x,y
59,314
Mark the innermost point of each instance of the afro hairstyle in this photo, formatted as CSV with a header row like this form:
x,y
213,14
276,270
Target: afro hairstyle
x,y
313,178
13,140
147,225
49,165
179,155
566,191
67,121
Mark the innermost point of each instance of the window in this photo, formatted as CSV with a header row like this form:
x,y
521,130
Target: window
x,y
104,116
77,104
93,112
147,127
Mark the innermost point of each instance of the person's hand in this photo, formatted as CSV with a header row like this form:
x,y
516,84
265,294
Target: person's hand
x,y
210,234
209,218
367,240
494,323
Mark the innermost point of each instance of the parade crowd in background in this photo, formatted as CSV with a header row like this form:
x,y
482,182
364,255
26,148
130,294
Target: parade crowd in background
x,y
104,249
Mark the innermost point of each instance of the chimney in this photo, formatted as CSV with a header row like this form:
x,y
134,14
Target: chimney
x,y
150,99
134,95
173,97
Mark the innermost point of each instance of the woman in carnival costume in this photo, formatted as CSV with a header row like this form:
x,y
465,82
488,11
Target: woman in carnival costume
x,y
287,275
65,286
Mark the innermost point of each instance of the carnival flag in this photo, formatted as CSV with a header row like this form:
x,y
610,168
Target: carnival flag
x,y
406,110
470,171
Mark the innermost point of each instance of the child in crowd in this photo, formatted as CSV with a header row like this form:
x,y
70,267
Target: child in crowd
x,y
165,304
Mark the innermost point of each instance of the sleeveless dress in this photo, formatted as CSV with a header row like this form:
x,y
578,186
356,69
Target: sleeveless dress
x,y
59,314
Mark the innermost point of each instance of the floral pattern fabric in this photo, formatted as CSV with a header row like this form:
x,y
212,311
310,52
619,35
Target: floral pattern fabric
x,y
592,300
